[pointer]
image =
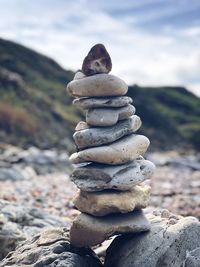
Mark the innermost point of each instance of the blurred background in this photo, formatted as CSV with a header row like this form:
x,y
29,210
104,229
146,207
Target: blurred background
x,y
154,46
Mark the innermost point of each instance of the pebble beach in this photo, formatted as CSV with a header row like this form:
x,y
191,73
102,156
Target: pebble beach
x,y
175,187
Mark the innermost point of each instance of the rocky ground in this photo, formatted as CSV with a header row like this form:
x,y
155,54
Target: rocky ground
x,y
43,182
36,192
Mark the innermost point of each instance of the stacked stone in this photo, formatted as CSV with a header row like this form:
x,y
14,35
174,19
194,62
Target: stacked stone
x,y
109,163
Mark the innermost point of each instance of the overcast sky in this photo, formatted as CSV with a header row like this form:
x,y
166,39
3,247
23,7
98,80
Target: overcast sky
x,y
151,42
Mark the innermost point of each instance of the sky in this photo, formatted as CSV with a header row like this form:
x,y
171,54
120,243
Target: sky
x,y
151,42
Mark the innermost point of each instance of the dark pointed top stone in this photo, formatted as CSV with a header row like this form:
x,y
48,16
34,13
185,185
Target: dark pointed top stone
x,y
97,61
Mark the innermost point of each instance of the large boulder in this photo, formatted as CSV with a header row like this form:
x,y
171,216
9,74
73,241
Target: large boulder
x,y
18,223
167,244
51,248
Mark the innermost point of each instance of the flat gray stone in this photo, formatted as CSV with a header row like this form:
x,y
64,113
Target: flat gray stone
x,y
97,177
92,137
97,85
51,248
87,230
108,116
92,102
167,244
121,151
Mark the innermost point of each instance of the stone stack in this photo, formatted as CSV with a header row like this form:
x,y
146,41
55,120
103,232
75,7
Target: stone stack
x,y
109,163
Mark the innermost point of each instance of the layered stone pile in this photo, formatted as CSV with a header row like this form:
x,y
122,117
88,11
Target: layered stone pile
x,y
109,163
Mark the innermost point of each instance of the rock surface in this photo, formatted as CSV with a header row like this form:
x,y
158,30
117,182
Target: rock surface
x,y
107,202
91,137
96,177
97,85
106,102
119,152
97,61
167,244
20,222
108,116
51,248
88,230
193,258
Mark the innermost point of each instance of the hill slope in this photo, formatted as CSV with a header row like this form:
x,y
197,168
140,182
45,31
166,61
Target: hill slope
x,y
34,106
170,115
35,109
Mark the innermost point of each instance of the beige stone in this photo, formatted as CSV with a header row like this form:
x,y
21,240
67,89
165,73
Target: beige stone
x,y
88,230
82,125
79,75
106,202
124,150
97,85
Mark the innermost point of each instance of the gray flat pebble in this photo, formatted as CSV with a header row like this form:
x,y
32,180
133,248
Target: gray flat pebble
x,y
94,102
97,177
108,116
103,135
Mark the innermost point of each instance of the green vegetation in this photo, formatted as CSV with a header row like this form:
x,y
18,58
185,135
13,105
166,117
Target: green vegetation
x,y
34,107
170,115
36,110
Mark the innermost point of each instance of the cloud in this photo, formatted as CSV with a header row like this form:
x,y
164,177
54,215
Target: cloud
x,y
65,30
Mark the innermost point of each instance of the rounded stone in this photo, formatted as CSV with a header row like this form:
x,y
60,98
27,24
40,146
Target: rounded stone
x,y
108,116
91,137
97,85
124,150
97,61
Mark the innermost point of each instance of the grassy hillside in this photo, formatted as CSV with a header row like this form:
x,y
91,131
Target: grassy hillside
x,y
170,115
34,106
35,109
